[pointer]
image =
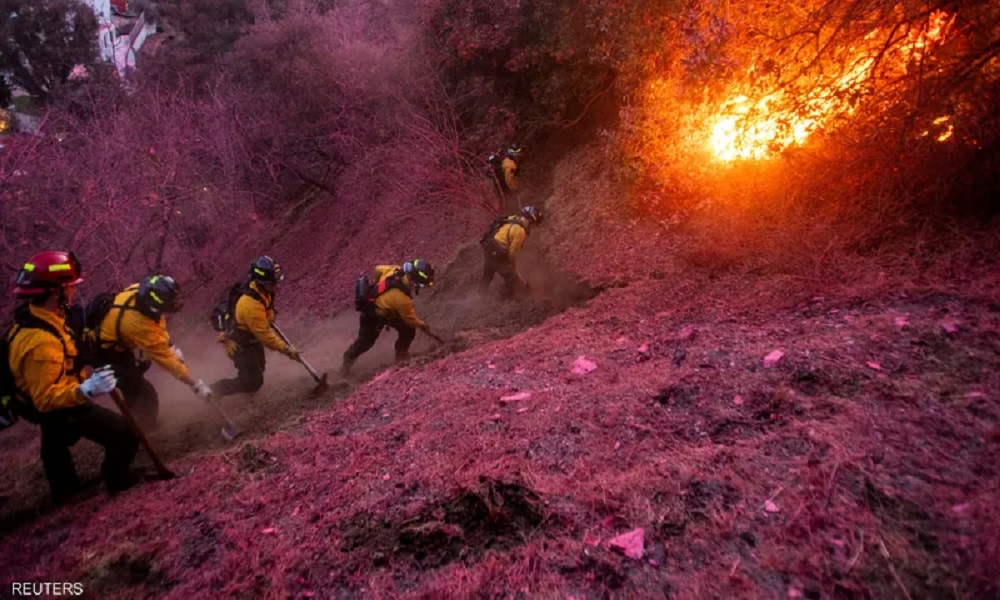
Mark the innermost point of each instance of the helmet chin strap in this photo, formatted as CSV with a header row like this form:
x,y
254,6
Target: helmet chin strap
x,y
63,300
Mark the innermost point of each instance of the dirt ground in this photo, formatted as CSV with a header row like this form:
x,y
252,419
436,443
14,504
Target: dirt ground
x,y
456,307
624,394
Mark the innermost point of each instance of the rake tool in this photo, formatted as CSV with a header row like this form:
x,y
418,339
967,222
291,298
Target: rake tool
x,y
321,383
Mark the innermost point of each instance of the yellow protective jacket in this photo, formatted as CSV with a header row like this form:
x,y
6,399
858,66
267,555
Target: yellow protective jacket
x,y
395,303
128,329
257,318
511,237
41,368
509,168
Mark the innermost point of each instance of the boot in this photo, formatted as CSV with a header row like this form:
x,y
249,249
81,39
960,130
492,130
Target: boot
x,y
226,387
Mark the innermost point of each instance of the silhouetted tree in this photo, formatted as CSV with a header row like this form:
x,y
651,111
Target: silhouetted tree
x,y
41,41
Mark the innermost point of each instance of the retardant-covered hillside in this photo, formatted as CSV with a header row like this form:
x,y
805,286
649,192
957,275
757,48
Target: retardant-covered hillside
x,y
766,438
755,352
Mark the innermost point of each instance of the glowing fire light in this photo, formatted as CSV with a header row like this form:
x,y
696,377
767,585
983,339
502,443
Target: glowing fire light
x,y
758,127
946,134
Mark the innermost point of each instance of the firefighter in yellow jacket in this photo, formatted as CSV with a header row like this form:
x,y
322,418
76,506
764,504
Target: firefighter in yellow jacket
x,y
254,316
392,306
502,246
505,166
50,389
136,321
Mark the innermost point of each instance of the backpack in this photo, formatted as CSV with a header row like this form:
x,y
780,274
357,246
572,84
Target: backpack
x,y
487,238
223,315
85,323
14,402
365,293
84,320
362,293
98,308
9,393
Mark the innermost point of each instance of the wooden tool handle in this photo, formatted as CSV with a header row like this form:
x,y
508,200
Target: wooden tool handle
x,y
161,469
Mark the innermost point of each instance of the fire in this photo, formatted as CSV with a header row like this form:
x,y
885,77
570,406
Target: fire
x,y
940,123
758,125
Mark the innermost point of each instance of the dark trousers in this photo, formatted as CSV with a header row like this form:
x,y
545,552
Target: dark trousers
x,y
495,262
370,327
250,363
499,186
140,395
63,428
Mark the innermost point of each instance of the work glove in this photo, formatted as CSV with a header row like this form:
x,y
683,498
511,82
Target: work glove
x,y
201,390
101,382
177,352
293,353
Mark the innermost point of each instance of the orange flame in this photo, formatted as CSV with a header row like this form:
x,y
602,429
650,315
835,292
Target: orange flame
x,y
759,127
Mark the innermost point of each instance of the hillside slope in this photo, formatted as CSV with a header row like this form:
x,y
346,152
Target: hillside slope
x,y
628,393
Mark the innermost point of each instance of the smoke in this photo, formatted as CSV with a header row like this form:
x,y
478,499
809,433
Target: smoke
x,y
456,309
287,388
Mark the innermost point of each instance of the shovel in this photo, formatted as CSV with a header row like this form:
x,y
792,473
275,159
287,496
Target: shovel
x,y
229,429
161,469
321,383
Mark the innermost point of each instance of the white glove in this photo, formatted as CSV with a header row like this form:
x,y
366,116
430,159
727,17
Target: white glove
x,y
101,382
177,352
201,390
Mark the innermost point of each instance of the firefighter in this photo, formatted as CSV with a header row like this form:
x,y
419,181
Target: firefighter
x,y
137,321
50,389
502,246
392,306
253,316
505,165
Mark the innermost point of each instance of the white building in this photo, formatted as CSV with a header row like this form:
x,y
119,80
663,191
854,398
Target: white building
x,y
105,28
118,48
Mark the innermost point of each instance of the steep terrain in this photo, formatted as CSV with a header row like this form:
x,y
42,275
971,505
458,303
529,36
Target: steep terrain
x,y
629,392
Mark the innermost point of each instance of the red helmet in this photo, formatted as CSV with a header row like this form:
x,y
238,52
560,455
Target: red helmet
x,y
47,271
